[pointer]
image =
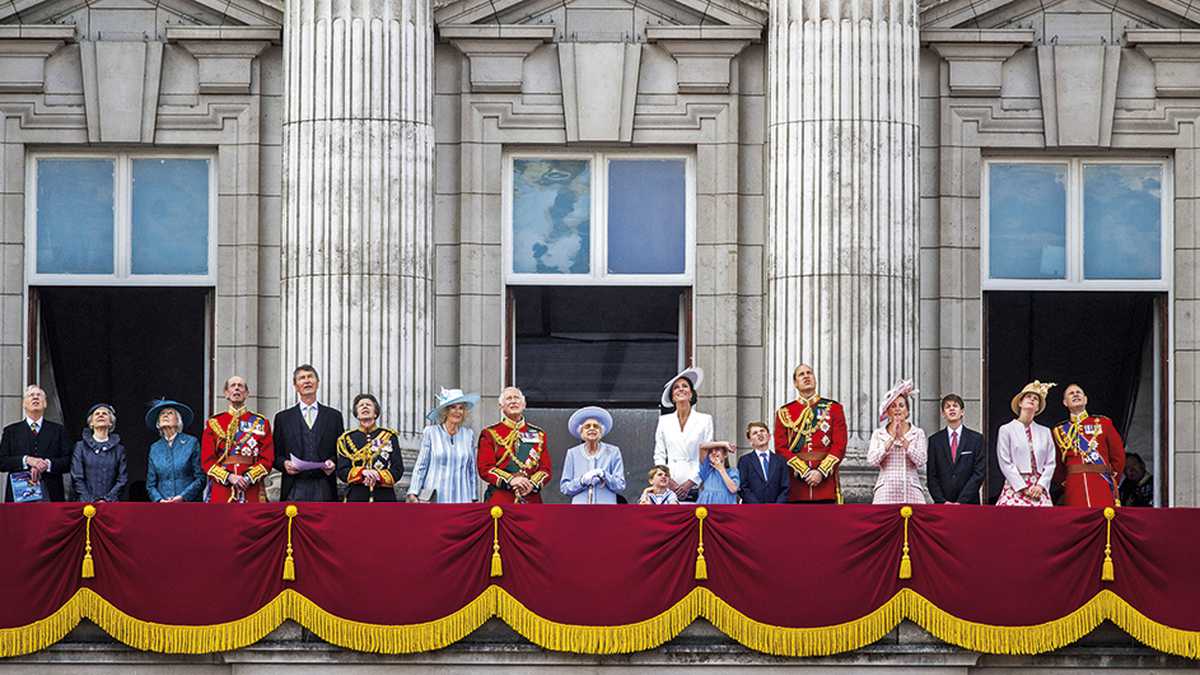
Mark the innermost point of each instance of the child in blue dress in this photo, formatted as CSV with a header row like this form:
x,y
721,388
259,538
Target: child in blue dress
x,y
719,482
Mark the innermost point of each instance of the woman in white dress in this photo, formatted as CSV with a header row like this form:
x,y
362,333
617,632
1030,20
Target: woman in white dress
x,y
899,449
681,432
1025,451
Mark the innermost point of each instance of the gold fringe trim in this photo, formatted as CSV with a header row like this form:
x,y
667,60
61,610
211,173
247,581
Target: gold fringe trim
x,y
626,638
400,639
622,639
820,641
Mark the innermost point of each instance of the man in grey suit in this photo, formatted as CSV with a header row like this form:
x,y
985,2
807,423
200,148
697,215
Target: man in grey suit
x,y
956,458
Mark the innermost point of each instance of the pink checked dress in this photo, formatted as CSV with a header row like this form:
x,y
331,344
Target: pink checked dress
x,y
899,479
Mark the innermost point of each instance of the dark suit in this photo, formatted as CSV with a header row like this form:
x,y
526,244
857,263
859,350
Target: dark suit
x,y
757,490
51,443
289,434
958,480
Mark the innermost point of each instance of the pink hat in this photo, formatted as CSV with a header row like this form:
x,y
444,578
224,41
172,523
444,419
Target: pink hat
x,y
901,388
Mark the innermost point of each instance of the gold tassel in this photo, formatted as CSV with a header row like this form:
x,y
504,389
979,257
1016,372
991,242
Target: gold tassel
x,y
1106,570
89,568
701,565
289,565
905,562
497,565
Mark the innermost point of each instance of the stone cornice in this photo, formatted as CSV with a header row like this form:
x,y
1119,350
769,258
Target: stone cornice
x,y
23,54
224,53
497,52
1176,58
976,57
703,53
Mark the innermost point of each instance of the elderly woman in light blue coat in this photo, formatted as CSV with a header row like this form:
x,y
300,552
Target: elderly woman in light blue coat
x,y
173,468
593,472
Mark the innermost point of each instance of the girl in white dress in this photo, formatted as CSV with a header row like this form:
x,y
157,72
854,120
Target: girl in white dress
x,y
1025,451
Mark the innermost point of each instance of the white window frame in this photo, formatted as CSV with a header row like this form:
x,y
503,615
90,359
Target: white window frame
x,y
122,222
1074,242
598,239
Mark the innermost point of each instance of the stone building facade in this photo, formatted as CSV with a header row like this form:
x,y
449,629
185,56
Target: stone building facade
x,y
356,185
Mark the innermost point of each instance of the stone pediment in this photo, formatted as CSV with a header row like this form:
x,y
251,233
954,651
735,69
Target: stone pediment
x,y
1064,21
592,19
141,14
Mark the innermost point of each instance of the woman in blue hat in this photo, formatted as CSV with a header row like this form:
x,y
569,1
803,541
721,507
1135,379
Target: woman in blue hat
x,y
445,471
593,472
173,468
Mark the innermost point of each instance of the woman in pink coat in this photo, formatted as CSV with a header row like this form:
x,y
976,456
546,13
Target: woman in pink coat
x,y
899,449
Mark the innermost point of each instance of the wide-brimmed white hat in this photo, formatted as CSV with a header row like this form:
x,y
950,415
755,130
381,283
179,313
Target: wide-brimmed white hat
x,y
901,388
693,375
447,398
591,412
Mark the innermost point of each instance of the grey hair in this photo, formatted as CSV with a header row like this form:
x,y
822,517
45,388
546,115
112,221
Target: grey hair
x,y
500,398
445,412
112,415
178,418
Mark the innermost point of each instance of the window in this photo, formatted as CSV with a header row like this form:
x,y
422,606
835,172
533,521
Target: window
x,y
121,219
1062,223
598,255
599,218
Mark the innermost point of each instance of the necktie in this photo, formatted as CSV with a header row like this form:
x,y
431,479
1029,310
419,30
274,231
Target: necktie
x,y
953,446
763,458
308,417
35,427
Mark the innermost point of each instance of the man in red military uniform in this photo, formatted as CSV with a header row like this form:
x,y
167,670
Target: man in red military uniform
x,y
236,449
810,435
1091,454
513,458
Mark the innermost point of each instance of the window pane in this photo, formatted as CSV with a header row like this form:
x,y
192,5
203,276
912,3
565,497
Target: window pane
x,y
170,216
75,216
1122,221
552,216
1027,221
609,344
647,212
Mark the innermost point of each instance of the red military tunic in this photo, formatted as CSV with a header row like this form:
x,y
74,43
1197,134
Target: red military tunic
x,y
508,449
812,435
1091,458
237,443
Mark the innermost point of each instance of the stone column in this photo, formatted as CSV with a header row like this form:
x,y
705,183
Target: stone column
x,y
842,203
357,249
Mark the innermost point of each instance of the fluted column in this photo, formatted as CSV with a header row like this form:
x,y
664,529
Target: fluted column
x,y
842,200
357,245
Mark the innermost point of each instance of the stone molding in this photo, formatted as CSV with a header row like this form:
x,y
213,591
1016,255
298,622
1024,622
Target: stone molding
x,y
120,89
496,53
599,89
23,54
976,57
224,53
703,53
1079,93
1176,58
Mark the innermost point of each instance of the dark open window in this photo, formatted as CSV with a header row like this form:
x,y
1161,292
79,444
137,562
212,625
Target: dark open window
x,y
608,345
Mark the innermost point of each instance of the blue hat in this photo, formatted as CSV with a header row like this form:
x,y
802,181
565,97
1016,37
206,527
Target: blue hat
x,y
590,412
447,398
156,407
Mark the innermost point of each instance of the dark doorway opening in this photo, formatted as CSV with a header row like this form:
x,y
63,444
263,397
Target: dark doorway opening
x,y
125,347
1103,341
